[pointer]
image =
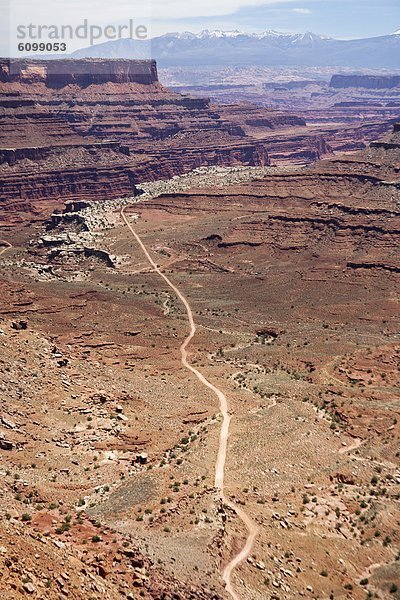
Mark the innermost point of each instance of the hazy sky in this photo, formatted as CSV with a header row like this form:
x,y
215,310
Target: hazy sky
x,y
336,18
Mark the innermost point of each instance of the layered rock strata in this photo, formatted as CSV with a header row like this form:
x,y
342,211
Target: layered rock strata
x,y
91,129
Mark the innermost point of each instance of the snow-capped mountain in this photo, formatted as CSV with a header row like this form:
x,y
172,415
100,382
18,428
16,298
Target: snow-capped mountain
x,y
218,33
270,33
268,48
206,34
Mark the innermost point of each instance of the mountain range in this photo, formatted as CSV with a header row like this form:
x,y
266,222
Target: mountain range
x,y
270,48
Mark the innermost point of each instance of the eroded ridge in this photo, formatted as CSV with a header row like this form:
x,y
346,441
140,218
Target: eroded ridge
x,y
224,433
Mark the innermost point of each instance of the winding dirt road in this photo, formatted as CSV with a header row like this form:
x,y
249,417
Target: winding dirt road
x,y
252,528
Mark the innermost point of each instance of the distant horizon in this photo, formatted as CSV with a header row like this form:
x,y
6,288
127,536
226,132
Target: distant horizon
x,y
272,30
337,19
240,32
281,52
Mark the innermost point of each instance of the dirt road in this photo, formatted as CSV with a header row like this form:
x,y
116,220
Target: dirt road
x,y
224,433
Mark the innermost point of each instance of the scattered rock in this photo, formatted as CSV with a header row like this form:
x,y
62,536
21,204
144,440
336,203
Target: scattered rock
x,y
29,587
6,444
141,458
19,325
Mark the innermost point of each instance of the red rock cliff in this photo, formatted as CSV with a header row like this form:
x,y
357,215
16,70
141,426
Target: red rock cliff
x,y
63,72
91,128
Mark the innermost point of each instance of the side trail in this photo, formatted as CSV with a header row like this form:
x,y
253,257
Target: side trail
x,y
7,246
252,528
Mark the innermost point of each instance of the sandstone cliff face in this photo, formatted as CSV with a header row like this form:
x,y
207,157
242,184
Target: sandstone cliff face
x,y
92,128
339,214
285,136
87,72
83,173
365,81
347,118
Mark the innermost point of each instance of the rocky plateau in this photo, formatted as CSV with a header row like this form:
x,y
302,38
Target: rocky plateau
x,y
287,250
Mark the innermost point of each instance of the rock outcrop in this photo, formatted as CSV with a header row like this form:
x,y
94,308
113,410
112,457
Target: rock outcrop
x,y
339,214
87,72
365,81
345,118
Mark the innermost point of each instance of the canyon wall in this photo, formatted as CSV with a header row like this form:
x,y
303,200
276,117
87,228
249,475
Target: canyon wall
x,y
365,81
336,215
59,73
91,129
346,118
